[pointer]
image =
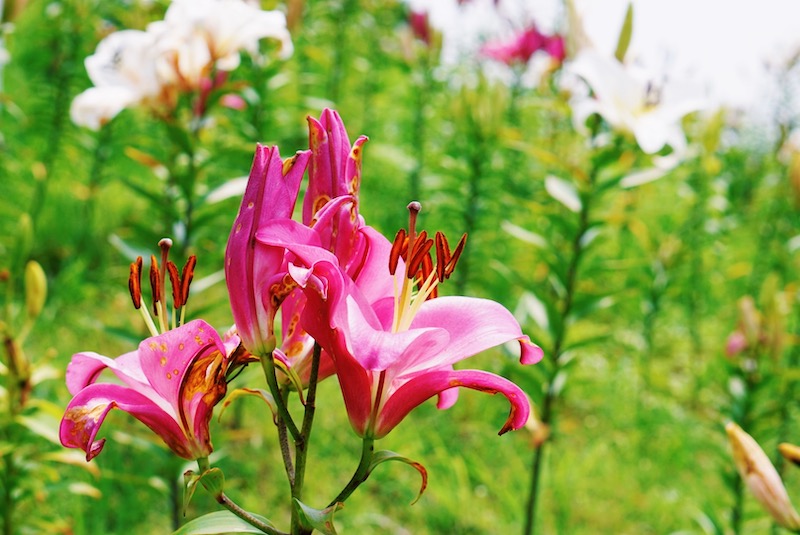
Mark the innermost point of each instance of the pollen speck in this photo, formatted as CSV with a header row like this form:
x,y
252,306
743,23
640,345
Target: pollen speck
x,y
198,340
153,345
239,227
169,375
181,346
175,372
163,347
250,205
163,361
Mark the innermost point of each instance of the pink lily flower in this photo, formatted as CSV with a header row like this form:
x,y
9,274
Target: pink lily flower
x,y
393,352
330,205
521,48
254,272
171,384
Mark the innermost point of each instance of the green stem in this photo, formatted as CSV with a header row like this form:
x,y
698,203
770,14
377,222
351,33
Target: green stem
x,y
550,397
283,441
228,504
301,447
268,365
361,474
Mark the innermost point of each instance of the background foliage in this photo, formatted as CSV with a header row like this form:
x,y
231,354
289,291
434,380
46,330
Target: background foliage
x,y
638,445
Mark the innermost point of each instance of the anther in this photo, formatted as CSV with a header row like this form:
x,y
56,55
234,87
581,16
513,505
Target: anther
x,y
186,278
399,248
135,283
453,260
155,283
175,282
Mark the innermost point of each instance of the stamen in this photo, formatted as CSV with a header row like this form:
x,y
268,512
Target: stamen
x,y
422,248
175,282
186,278
399,249
154,283
135,283
451,263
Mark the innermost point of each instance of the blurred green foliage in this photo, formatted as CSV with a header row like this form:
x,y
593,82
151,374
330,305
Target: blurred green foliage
x,y
638,445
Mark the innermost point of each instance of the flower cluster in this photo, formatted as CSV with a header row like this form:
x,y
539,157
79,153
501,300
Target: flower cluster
x,y
520,48
191,50
367,307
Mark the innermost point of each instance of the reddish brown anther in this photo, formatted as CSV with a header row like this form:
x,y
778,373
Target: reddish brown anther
x,y
453,260
422,247
135,283
186,278
175,282
399,249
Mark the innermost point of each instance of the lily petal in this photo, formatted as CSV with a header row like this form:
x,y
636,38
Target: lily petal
x,y
425,386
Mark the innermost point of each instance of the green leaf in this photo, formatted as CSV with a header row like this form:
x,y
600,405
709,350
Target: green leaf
x,y
383,456
563,192
625,35
321,520
219,523
213,480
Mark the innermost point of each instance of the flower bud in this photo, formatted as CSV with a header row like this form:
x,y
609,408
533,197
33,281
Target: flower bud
x,y
35,289
761,478
790,452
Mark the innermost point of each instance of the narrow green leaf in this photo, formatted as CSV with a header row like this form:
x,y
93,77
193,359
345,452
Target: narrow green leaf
x,y
563,192
625,35
219,523
321,520
383,456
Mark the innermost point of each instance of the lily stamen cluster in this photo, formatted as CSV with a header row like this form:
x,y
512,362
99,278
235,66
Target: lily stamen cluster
x,y
158,278
415,250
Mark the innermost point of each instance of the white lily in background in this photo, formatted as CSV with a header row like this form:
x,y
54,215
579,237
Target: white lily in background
x,y
178,54
630,104
210,34
123,71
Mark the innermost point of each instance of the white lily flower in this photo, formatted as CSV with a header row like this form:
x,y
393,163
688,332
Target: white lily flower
x,y
629,103
123,72
216,31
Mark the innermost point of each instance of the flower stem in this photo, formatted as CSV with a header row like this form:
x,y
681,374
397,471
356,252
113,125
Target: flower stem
x,y
301,446
268,365
361,474
560,335
247,517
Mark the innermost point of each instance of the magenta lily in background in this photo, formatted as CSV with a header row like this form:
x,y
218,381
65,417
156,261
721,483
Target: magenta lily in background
x,y
254,272
522,47
171,384
393,352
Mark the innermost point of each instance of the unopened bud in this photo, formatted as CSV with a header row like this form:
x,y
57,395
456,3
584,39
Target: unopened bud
x,y
35,289
761,478
790,452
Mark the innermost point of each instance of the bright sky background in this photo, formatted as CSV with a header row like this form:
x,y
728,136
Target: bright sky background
x,y
722,47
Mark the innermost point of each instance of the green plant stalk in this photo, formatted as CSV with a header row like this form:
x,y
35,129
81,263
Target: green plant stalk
x,y
268,366
550,396
361,474
471,212
234,508
423,90
301,446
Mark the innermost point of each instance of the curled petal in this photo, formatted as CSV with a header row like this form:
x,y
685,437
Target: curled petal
x,y
87,411
417,390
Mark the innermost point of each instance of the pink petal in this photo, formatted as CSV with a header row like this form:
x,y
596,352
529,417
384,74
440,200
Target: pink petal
x,y
474,325
270,194
166,358
85,368
88,409
427,385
